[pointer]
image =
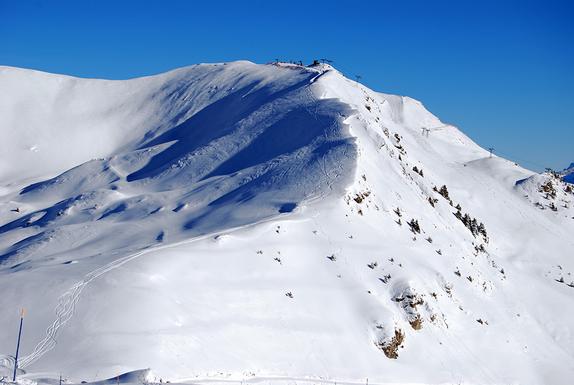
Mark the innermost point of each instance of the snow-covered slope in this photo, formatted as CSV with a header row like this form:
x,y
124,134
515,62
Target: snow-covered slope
x,y
568,174
242,221
219,146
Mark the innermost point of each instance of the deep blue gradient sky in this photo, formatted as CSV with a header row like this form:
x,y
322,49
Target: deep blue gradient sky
x,y
502,71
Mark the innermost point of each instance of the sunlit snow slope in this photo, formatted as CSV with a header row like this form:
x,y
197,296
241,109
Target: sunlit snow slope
x,y
242,221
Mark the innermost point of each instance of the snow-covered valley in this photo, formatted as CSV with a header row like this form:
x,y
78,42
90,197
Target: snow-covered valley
x,y
243,222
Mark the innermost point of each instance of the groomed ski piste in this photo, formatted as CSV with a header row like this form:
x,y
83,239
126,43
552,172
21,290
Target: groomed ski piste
x,y
274,224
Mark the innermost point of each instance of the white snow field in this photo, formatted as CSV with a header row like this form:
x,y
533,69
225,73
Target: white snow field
x,y
275,224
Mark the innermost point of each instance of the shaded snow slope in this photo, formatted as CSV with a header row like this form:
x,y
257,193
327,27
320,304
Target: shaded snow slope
x,y
568,174
227,145
243,221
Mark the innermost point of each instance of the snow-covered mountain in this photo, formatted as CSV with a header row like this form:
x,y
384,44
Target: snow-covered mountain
x,y
568,174
243,222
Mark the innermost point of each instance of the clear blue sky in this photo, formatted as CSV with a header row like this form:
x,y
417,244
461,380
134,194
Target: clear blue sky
x,y
502,71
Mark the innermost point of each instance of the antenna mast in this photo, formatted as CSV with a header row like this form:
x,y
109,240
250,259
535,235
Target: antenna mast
x,y
22,313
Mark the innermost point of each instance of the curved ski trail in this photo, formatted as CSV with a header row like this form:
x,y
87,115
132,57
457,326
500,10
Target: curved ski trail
x,y
67,305
68,300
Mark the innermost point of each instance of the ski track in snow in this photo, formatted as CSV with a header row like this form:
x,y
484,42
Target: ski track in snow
x,y
68,300
66,306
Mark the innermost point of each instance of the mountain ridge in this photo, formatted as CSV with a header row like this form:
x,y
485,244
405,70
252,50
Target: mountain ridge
x,y
245,199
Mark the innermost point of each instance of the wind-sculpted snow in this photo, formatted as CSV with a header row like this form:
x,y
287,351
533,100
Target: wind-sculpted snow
x,y
272,223
253,147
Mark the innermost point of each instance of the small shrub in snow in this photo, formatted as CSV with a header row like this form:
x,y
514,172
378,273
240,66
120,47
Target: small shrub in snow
x,y
444,192
472,224
391,348
553,206
549,189
415,227
416,323
385,278
360,197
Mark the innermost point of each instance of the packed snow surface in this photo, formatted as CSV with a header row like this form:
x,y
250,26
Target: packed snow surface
x,y
271,223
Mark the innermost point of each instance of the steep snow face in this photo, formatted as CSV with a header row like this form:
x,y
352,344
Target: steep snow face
x,y
246,221
51,123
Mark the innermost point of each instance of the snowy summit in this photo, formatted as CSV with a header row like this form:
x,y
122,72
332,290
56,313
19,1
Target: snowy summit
x,y
240,222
